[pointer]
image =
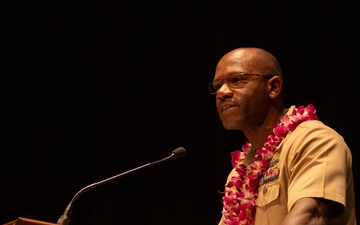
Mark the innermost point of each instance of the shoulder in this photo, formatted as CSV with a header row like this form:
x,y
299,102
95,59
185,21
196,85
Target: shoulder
x,y
315,130
314,138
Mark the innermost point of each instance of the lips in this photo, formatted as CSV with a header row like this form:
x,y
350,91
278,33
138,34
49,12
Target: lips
x,y
224,107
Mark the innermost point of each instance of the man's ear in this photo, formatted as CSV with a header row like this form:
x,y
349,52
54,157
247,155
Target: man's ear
x,y
275,86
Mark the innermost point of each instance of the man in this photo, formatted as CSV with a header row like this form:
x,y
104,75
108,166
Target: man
x,y
293,169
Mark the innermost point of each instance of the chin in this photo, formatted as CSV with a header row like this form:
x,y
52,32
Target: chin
x,y
232,122
230,126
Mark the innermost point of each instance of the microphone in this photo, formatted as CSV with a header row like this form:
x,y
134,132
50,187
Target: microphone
x,y
65,217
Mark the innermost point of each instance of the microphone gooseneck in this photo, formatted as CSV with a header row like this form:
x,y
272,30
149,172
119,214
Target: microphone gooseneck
x,y
65,217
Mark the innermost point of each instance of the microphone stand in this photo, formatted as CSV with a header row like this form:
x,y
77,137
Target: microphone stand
x,y
65,217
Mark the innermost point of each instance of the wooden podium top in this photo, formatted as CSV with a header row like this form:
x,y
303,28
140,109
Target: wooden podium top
x,y
25,221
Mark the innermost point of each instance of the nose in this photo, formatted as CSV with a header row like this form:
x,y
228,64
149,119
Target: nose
x,y
224,91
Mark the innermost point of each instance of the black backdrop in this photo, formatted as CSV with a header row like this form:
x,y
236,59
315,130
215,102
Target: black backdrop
x,y
94,88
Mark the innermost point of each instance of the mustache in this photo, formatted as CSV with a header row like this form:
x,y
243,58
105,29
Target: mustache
x,y
225,103
224,99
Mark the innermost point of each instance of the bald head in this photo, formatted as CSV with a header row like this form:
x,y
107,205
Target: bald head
x,y
254,60
256,95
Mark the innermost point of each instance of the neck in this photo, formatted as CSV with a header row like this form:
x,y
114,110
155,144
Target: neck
x,y
257,136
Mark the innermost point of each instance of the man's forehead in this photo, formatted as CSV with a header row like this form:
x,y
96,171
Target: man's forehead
x,y
224,70
232,64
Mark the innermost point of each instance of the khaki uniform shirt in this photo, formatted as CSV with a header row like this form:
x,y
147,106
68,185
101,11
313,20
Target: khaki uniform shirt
x,y
312,161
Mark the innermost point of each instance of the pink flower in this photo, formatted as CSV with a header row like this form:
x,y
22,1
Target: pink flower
x,y
241,191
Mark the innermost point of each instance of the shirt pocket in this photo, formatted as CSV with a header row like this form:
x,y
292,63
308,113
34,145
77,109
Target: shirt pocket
x,y
268,193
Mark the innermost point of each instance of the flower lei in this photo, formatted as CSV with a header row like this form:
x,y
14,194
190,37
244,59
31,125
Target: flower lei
x,y
242,190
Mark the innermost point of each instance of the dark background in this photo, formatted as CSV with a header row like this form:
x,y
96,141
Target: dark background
x,y
95,88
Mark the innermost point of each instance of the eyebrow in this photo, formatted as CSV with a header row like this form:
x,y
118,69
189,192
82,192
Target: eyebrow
x,y
232,74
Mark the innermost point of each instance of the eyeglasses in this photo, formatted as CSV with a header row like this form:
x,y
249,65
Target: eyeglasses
x,y
233,82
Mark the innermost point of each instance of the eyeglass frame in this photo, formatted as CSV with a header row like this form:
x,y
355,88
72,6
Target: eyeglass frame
x,y
213,90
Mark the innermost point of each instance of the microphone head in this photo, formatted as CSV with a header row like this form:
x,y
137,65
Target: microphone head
x,y
178,153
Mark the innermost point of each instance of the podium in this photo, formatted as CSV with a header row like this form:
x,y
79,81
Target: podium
x,y
25,221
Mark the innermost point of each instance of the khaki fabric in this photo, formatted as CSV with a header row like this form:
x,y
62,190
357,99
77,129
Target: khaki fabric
x,y
312,161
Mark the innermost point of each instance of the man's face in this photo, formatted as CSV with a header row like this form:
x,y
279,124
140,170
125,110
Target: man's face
x,y
240,107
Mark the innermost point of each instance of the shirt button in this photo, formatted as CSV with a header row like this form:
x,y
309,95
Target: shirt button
x,y
265,189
